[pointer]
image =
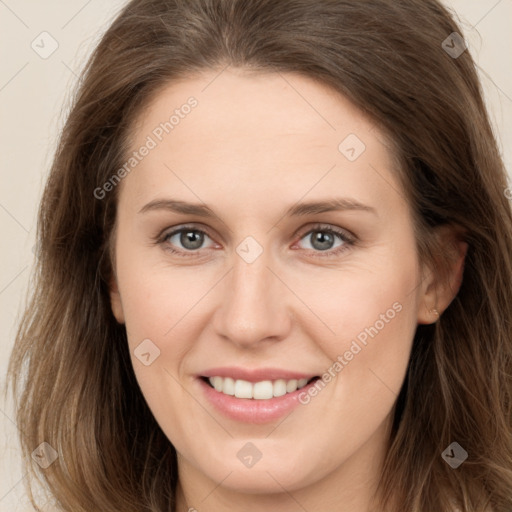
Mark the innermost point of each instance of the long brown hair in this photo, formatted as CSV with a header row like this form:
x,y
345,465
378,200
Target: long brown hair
x,y
390,58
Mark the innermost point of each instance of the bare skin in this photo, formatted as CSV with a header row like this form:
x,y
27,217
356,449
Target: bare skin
x,y
252,148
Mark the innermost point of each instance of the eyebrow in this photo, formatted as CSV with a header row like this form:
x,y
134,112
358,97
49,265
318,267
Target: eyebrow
x,y
297,210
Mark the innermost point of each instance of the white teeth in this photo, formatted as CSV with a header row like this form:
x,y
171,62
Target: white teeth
x,y
217,383
243,389
228,386
263,390
291,385
280,387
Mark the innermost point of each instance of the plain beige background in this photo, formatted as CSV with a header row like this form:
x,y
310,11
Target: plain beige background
x,y
34,93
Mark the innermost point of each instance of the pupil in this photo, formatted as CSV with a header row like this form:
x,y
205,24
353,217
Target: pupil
x,y
188,237
325,240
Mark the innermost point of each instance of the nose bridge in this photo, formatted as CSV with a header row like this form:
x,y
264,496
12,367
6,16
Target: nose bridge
x,y
254,306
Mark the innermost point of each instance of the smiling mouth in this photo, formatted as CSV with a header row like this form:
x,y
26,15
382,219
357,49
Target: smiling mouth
x,y
262,390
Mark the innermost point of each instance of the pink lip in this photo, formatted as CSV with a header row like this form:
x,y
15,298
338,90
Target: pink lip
x,y
249,410
255,375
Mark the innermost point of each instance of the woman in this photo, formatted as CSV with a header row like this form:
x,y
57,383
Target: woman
x,y
185,351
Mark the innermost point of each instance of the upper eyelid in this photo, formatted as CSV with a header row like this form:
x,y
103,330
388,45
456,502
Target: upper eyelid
x,y
166,233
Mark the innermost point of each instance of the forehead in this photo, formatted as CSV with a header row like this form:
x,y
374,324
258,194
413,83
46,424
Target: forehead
x,y
238,132
239,102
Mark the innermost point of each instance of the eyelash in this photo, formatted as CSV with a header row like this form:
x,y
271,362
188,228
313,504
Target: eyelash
x,y
348,239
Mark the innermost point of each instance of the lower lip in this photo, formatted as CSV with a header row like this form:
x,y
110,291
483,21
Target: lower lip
x,y
250,410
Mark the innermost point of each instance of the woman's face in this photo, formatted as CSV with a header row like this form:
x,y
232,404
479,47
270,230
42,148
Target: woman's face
x,y
296,260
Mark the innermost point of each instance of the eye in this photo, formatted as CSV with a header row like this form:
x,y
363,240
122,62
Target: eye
x,y
189,238
322,239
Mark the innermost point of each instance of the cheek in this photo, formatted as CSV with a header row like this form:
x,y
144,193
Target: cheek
x,y
164,313
156,296
161,308
372,317
362,304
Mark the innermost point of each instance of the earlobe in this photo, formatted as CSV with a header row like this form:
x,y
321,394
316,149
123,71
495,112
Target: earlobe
x,y
115,301
440,287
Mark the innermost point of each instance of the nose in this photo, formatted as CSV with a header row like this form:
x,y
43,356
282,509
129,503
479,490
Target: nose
x,y
255,305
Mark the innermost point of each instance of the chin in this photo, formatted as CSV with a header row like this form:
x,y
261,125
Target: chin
x,y
269,476
263,481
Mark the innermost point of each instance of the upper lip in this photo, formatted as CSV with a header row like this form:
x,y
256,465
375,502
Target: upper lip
x,y
256,374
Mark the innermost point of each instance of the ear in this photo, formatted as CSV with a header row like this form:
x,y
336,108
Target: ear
x,y
441,284
115,300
